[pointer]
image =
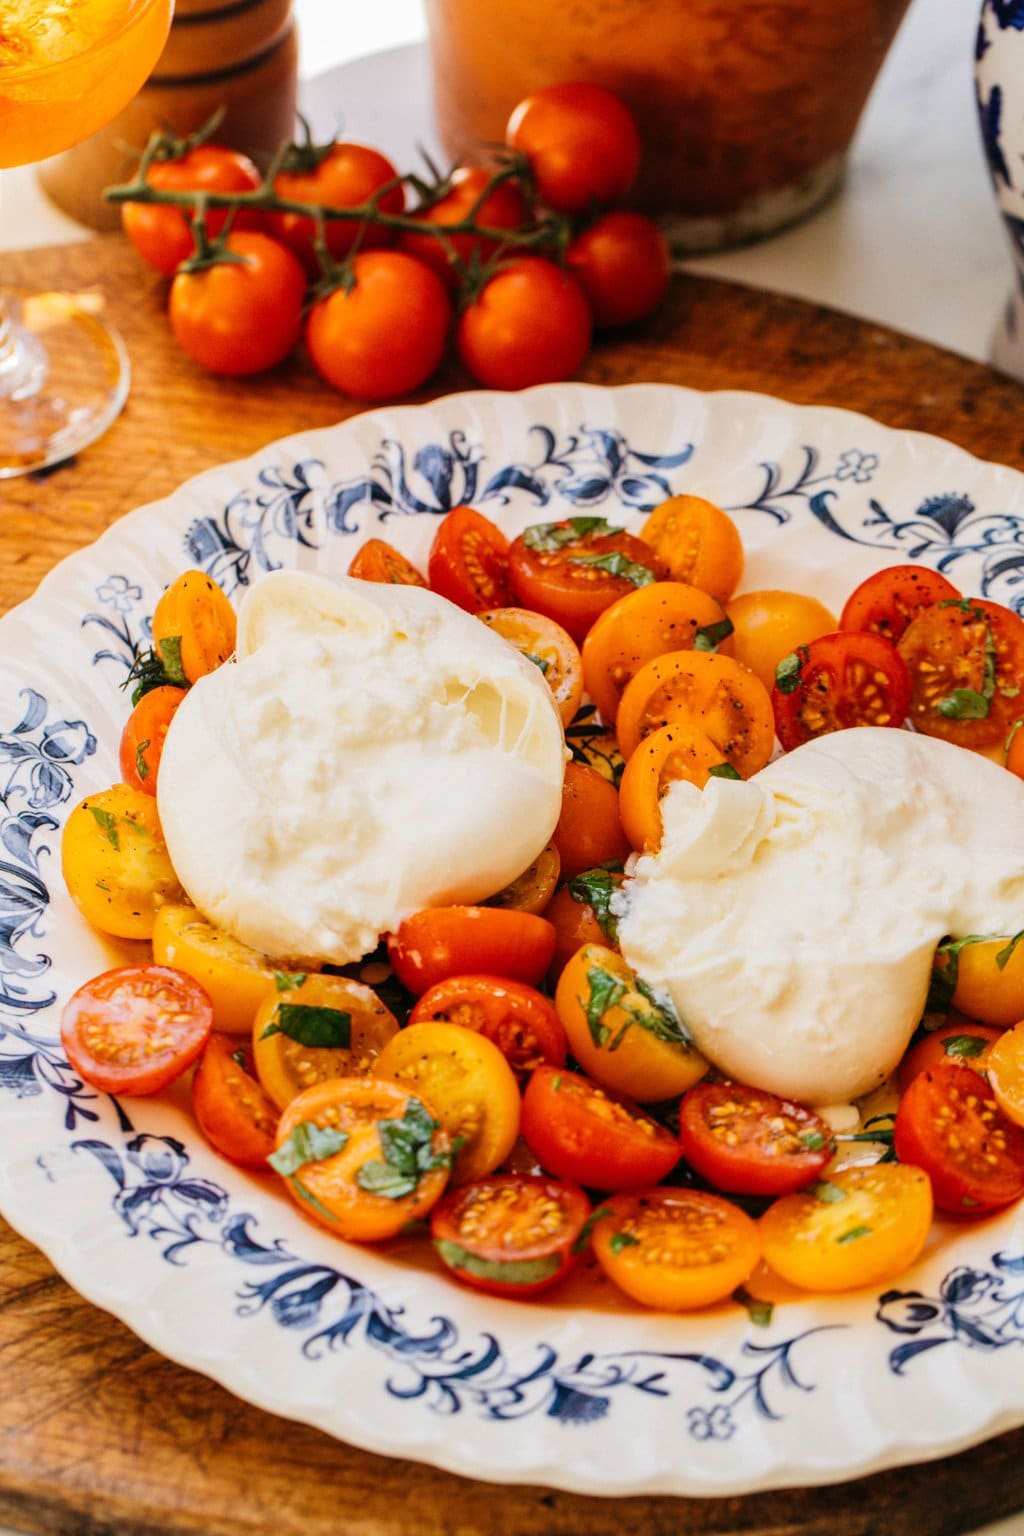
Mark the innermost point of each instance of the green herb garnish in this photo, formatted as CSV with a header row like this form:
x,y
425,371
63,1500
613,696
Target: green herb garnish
x,y
827,1192
710,636
108,826
944,979
408,1150
963,704
853,1234
1005,955
760,1312
508,1271
963,1046
620,1240
538,661
287,981
308,1143
723,771
546,538
142,768
595,888
588,1226
787,672
320,1028
616,564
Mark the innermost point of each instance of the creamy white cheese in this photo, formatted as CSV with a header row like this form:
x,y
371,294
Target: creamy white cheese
x,y
794,917
371,750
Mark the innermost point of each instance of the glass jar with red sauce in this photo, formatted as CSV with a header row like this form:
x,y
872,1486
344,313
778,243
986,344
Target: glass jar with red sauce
x,y
746,107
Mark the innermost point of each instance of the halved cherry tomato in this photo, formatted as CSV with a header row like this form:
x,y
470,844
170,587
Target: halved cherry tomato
x,y
624,265
503,207
468,562
698,542
159,231
582,144
674,752
705,691
648,622
345,1166
582,1132
380,561
317,1029
232,1110
440,942
135,1029
345,175
142,740
766,626
949,1124
579,913
836,682
990,981
194,626
628,1039
115,862
748,1142
549,647
575,569
675,1249
533,889
1004,1064
588,832
1013,750
886,602
961,1042
236,977
516,1018
471,1087
861,1226
966,664
509,1235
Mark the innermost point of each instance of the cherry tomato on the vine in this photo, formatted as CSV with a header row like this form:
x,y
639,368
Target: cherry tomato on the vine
x,y
503,207
530,324
159,232
243,316
582,144
342,177
623,262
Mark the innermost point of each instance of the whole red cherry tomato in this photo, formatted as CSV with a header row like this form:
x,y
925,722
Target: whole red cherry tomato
x,y
385,335
159,231
623,263
582,144
502,208
238,318
529,325
341,177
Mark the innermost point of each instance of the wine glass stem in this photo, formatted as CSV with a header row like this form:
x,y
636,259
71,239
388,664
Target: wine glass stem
x,y
23,366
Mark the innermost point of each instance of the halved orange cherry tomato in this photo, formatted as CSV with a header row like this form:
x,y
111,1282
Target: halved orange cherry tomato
x,y
675,1249
516,1018
1004,1064
713,693
533,889
115,862
440,942
573,570
194,626
580,913
966,664
380,561
236,977
470,1085
839,681
861,1226
748,1142
142,740
648,622
509,1235
886,602
674,752
469,562
766,626
135,1029
949,1124
232,1110
589,831
698,544
961,1042
1013,749
622,1034
582,1132
317,1029
345,1166
990,981
549,647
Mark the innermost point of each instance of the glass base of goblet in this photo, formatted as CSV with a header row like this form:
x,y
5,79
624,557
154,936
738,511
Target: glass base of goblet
x,y
64,376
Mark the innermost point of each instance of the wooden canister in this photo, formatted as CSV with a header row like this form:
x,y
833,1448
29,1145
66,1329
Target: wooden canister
x,y
242,56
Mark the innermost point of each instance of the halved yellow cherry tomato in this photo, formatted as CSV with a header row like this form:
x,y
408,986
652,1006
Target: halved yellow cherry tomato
x,y
862,1226
470,1085
675,1249
1004,1067
548,646
236,977
366,1190
533,889
663,616
197,622
115,862
322,1028
621,1035
769,625
698,543
674,752
990,982
703,689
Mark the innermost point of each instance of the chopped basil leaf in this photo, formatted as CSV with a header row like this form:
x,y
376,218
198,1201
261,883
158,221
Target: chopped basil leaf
x,y
320,1028
1005,955
595,888
963,704
508,1271
617,564
723,771
108,826
710,636
965,604
545,538
827,1192
760,1312
664,1021
967,1201
883,1136
787,673
408,1150
142,768
286,981
853,1234
556,1083
620,1240
589,1225
538,661
605,991
147,672
238,1057
813,1141
961,1046
170,654
308,1143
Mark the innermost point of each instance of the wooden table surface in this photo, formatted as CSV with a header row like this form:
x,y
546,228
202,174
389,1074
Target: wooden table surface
x,y
97,1433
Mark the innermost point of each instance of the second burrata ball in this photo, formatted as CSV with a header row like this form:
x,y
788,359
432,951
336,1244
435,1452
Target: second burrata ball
x,y
371,750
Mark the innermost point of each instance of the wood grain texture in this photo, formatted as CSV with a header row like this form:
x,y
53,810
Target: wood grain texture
x,y
100,1435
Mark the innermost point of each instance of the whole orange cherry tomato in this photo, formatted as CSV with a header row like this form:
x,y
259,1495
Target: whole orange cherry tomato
x,y
582,144
241,317
159,231
504,207
530,324
768,625
337,176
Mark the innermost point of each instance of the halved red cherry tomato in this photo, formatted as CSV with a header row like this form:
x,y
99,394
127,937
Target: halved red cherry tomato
x,y
886,602
509,1235
159,231
135,1029
142,740
575,569
675,1249
549,647
966,663
440,942
588,832
518,1019
579,1131
468,562
504,207
949,1124
839,681
961,1042
233,1112
582,144
752,1143
345,175
380,561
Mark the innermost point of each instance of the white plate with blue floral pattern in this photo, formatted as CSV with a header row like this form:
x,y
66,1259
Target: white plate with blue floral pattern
x,y
215,1267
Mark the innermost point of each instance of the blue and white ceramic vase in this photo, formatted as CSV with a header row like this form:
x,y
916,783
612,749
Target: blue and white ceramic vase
x,y
999,77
